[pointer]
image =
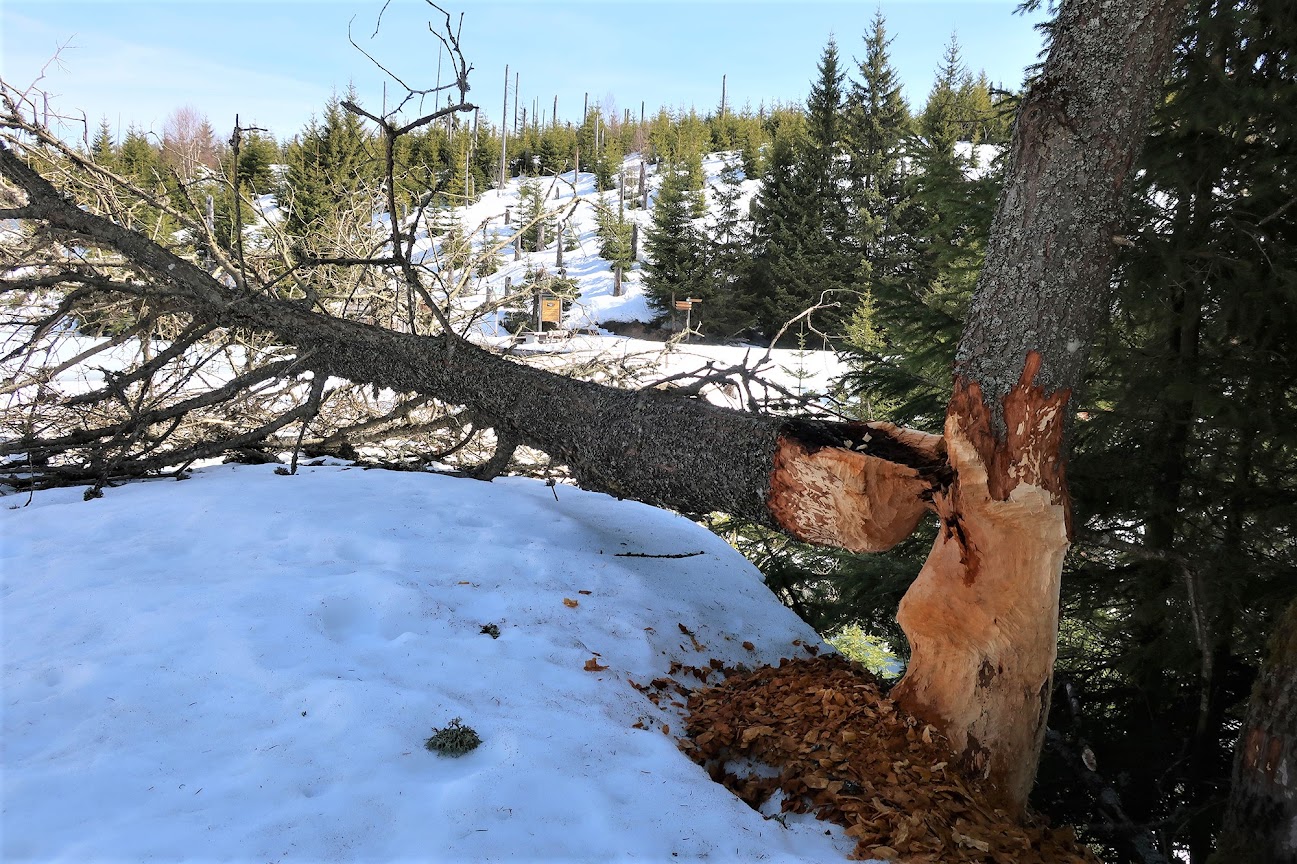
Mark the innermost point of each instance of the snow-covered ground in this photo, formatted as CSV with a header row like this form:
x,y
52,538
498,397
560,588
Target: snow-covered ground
x,y
574,200
244,666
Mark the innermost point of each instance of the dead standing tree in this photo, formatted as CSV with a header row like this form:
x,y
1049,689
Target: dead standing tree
x,y
982,616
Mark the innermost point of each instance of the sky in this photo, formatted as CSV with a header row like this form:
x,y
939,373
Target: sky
x,y
276,63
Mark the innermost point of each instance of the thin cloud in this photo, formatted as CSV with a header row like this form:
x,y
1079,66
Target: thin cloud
x,y
140,84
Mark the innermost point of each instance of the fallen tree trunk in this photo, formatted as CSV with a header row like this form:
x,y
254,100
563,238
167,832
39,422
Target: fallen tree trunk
x,y
649,445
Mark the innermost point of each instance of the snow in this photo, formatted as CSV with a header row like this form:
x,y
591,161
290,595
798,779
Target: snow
x,y
574,200
979,157
245,666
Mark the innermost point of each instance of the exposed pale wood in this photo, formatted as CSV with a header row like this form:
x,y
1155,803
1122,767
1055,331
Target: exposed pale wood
x,y
837,497
982,617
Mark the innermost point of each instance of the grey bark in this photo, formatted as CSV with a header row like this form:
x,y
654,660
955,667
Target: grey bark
x,y
1078,132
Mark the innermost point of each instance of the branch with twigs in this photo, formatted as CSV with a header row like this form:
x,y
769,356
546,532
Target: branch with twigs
x,y
128,358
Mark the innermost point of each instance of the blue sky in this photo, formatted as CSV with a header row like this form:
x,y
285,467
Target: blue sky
x,y
276,62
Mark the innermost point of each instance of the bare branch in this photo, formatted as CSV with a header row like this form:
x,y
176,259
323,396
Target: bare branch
x,y
505,445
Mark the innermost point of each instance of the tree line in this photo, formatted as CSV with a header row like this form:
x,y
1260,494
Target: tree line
x,y
829,168
856,191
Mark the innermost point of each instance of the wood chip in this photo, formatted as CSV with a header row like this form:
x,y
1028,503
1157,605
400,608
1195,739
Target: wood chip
x,y
847,754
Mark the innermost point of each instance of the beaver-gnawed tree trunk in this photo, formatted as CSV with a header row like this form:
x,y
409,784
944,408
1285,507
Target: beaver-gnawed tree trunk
x,y
982,616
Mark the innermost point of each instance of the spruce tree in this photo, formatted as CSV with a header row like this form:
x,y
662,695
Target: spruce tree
x,y
614,237
534,222
724,127
835,590
103,149
802,255
258,152
752,138
556,148
877,124
676,260
728,237
332,171
987,116
661,137
825,143
776,286
689,147
694,183
423,165
139,159
923,265
608,164
942,116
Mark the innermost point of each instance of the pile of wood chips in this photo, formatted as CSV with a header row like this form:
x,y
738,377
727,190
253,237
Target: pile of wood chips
x,y
846,753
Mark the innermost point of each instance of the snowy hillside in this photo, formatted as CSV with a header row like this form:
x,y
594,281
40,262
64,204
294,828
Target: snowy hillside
x,y
245,666
574,200
477,307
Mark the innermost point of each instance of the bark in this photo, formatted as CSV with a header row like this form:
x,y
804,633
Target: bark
x,y
1261,817
982,617
1051,248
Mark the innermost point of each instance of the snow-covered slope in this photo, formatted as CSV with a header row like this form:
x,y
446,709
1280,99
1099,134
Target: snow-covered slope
x,y
573,199
245,666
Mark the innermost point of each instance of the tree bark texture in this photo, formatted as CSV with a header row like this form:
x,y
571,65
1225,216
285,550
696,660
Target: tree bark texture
x,y
1077,134
1261,818
982,616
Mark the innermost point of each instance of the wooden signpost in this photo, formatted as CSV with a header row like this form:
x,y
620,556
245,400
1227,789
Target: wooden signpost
x,y
551,309
686,306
